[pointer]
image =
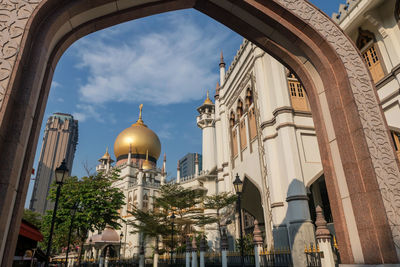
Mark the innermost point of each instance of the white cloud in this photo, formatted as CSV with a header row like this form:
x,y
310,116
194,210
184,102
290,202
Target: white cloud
x,y
55,84
174,64
87,111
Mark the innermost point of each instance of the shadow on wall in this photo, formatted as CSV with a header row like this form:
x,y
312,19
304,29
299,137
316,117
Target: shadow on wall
x,y
296,230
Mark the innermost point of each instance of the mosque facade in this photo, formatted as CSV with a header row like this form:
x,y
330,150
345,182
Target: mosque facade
x,y
260,127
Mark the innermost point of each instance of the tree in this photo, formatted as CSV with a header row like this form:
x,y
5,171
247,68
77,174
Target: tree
x,y
32,217
97,205
220,202
183,202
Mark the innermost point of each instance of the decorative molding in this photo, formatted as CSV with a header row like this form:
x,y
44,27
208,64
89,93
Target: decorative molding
x,y
13,18
296,197
248,78
277,204
371,116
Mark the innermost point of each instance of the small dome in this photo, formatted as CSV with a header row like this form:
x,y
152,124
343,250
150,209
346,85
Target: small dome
x,y
146,164
109,235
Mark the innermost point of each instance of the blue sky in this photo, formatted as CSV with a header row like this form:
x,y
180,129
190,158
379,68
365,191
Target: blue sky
x,y
167,62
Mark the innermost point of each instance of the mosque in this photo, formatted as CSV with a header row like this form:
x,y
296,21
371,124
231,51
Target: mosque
x,y
260,127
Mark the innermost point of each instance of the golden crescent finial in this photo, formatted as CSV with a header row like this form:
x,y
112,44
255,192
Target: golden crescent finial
x,y
140,111
140,121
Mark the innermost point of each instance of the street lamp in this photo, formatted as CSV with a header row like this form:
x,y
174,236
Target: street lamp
x,y
172,236
60,174
120,243
238,184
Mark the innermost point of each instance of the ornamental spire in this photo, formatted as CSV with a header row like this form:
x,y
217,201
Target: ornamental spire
x,y
208,100
222,60
140,121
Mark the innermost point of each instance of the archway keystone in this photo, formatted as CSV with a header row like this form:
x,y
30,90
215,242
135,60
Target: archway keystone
x,y
358,157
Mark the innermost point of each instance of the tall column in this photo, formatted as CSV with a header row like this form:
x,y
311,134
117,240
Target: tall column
x,y
206,121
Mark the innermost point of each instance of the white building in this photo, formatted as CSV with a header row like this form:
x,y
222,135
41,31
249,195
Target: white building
x,y
261,128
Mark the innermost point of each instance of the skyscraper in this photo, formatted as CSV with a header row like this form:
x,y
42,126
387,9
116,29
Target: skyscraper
x,y
187,164
59,142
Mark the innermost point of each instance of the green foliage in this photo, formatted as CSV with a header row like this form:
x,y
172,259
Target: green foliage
x,y
248,246
222,204
183,202
188,207
32,217
96,204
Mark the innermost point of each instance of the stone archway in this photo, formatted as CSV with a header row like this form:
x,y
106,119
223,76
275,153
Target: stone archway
x,y
357,154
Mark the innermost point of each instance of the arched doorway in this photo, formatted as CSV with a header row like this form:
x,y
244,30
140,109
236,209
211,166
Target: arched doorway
x,y
251,206
357,154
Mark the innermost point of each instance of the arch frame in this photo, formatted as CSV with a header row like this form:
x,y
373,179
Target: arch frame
x,y
357,155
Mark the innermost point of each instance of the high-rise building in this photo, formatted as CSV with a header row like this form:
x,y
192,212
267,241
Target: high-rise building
x,y
59,142
187,164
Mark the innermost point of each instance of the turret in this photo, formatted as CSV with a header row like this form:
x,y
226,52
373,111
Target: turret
x,y
164,170
105,162
206,121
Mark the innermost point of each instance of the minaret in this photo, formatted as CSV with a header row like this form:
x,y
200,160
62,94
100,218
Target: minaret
x,y
130,155
222,70
206,121
140,178
178,173
196,165
105,162
163,171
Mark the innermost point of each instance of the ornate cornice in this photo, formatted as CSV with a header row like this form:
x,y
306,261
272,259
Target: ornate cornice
x,y
13,18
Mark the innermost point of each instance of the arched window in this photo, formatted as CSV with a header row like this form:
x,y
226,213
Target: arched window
x,y
366,43
242,125
232,119
233,135
297,93
251,114
396,141
129,208
239,109
145,202
249,97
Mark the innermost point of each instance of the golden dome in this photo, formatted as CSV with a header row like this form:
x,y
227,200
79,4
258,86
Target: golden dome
x,y
139,139
208,100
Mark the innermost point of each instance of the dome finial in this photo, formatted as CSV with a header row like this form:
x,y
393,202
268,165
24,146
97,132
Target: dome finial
x,y
140,121
208,100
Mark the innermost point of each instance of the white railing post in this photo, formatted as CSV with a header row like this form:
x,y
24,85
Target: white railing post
x,y
324,239
156,256
258,242
202,250
224,247
141,256
188,250
194,252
